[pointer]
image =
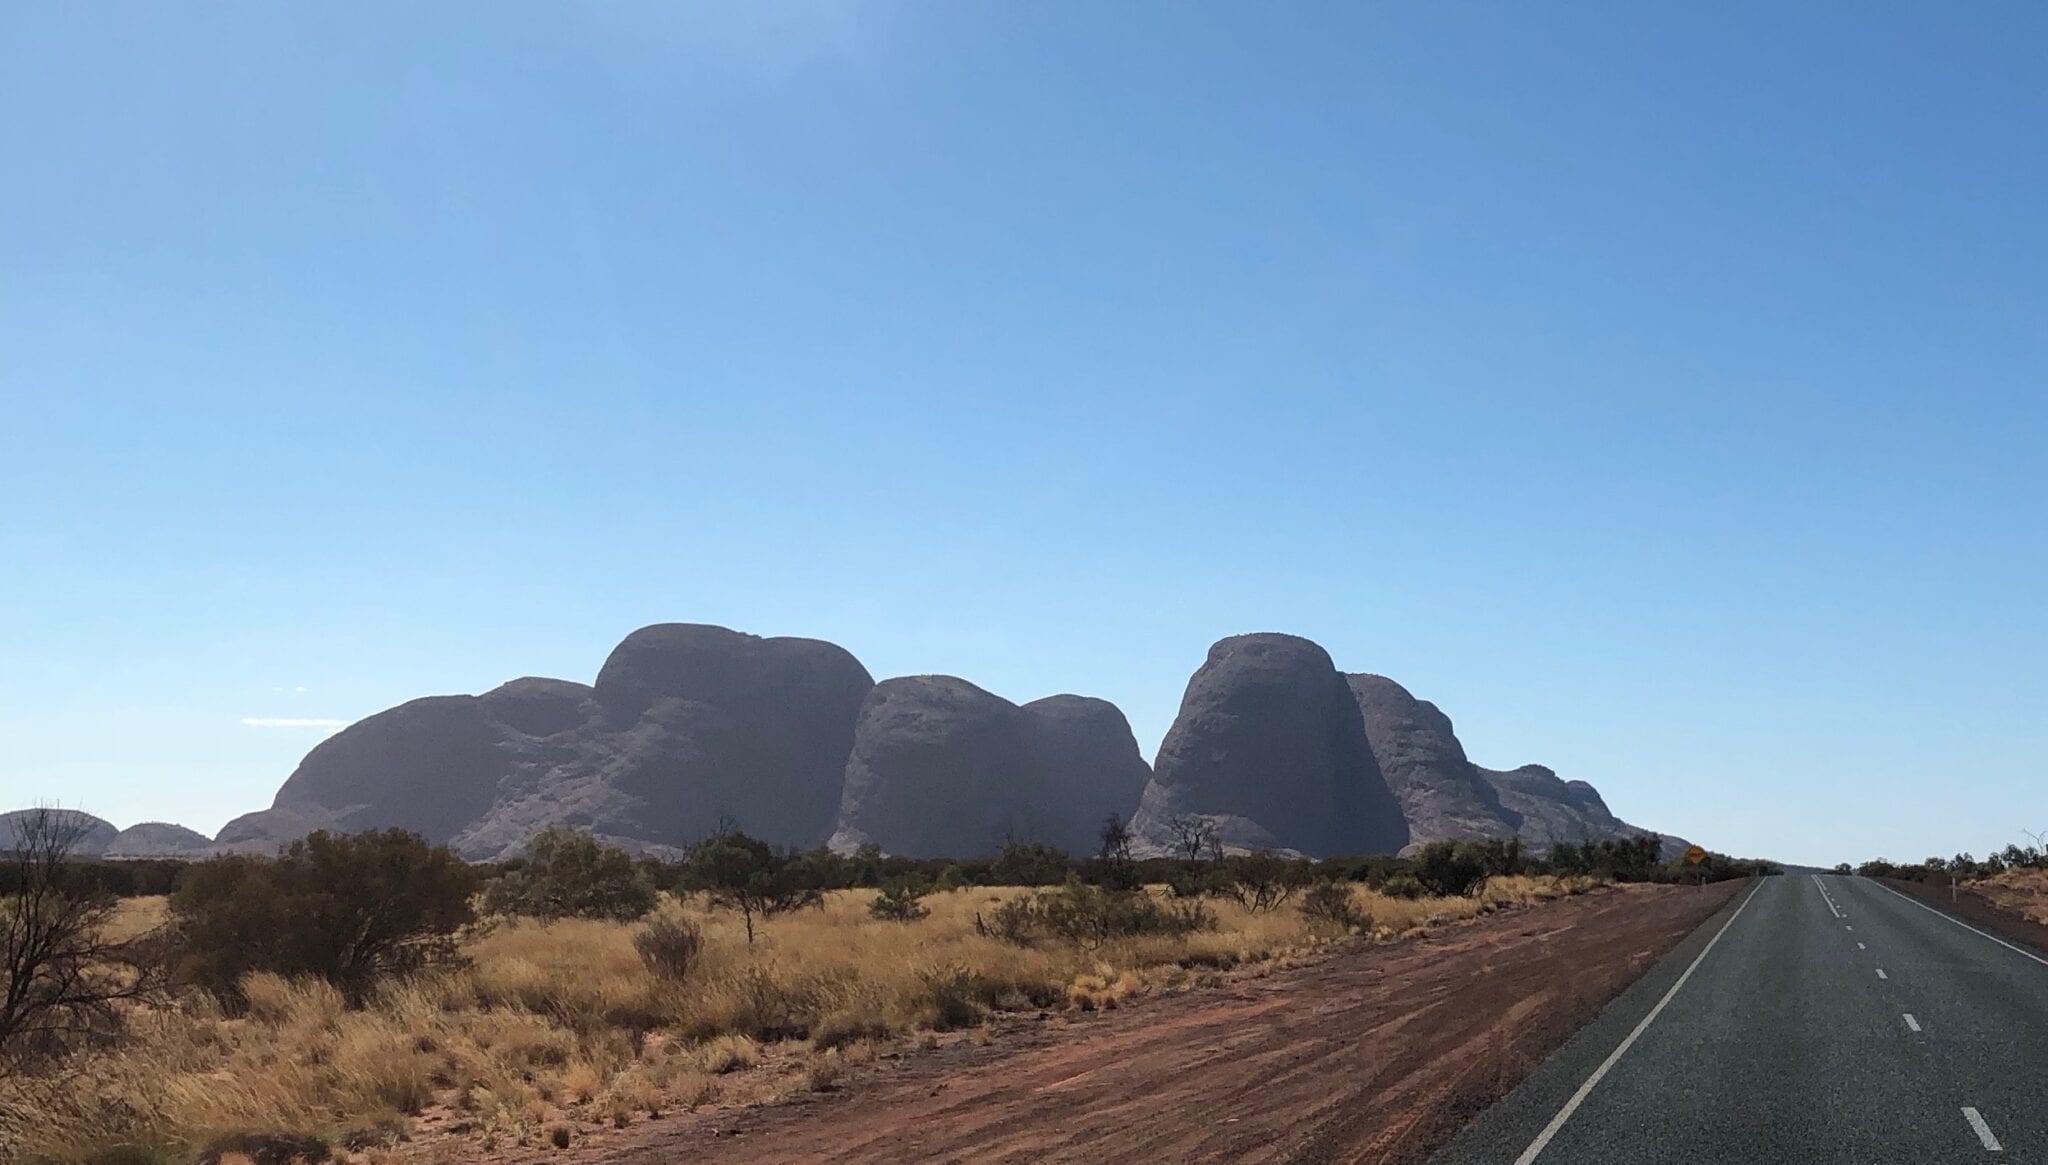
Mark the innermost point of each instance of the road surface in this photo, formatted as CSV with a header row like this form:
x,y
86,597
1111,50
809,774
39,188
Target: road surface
x,y
1818,1019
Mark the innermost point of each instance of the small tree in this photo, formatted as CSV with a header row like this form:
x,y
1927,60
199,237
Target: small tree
x,y
1119,869
1194,837
567,873
61,977
743,873
1261,881
348,908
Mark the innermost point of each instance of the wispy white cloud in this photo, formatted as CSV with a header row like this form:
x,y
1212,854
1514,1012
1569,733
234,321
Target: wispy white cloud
x,y
292,722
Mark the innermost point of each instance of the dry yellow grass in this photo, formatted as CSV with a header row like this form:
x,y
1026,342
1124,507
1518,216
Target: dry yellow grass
x,y
2024,892
563,1022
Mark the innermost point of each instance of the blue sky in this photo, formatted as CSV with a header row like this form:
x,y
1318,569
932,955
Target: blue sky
x,y
1658,388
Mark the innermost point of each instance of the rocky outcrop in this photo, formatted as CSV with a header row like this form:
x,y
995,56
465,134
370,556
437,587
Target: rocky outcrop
x,y
90,835
941,768
1442,794
687,725
1552,809
938,767
431,766
1270,747
1089,767
159,839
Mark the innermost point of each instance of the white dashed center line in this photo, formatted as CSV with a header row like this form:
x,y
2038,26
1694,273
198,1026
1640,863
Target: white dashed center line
x,y
1881,974
1861,947
1982,1130
1911,1023
1826,897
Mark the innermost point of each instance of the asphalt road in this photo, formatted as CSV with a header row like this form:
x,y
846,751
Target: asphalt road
x,y
1817,1019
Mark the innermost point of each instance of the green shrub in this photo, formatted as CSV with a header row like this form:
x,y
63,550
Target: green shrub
x,y
1013,922
1402,886
1090,916
350,909
566,873
898,902
1031,863
1330,903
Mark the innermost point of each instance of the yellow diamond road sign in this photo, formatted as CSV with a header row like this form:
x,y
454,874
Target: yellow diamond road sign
x,y
1695,855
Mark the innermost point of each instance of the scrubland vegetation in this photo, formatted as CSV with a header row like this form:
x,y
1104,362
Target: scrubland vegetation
x,y
2014,879
359,992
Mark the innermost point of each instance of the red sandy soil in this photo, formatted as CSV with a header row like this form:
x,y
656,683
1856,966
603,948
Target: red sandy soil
x,y
1373,1054
2013,904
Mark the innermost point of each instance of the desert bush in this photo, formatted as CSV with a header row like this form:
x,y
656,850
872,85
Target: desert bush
x,y
898,902
1090,916
1031,863
1404,886
567,873
349,909
1449,868
670,946
1330,903
1012,921
1261,881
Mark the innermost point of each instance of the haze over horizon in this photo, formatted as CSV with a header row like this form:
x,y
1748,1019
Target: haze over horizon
x,y
1659,392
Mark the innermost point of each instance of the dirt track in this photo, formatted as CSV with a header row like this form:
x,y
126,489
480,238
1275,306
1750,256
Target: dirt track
x,y
1371,1055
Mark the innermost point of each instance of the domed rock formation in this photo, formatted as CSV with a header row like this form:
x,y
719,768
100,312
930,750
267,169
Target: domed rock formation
x,y
159,839
687,725
1269,745
939,767
718,724
1442,794
1553,809
538,706
431,766
1089,768
91,835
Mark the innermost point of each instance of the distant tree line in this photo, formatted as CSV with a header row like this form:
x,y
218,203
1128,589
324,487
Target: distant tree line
x,y
1963,867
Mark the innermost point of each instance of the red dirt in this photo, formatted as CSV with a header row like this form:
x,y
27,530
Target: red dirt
x,y
2005,908
1375,1054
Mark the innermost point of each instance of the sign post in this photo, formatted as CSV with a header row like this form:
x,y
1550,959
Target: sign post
x,y
1693,858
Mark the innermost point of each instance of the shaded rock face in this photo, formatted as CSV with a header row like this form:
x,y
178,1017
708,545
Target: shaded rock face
x,y
94,835
941,768
726,724
1270,745
1089,768
431,766
159,839
686,726
1553,809
1442,794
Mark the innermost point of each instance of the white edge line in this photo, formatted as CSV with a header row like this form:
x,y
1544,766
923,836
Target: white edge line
x,y
1964,925
1912,1023
1976,1120
1571,1106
